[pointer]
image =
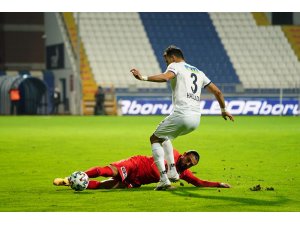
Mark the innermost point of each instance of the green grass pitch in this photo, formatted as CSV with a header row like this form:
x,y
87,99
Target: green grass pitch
x,y
251,151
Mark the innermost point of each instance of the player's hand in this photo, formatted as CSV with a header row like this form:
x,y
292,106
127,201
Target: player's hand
x,y
227,114
136,74
224,185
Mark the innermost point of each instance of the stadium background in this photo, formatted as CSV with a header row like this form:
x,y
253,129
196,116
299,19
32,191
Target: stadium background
x,y
252,57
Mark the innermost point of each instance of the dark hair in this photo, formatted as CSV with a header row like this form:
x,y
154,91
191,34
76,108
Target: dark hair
x,y
195,153
173,50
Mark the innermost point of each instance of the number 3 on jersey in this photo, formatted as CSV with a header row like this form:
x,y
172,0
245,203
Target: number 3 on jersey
x,y
194,87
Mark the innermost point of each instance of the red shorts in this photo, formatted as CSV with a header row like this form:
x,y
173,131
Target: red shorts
x,y
128,171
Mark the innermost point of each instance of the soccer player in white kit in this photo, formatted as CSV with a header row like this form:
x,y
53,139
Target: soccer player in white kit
x,y
186,83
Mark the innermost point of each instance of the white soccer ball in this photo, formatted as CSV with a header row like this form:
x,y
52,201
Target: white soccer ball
x,y
79,181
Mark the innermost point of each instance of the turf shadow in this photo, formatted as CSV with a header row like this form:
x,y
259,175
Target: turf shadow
x,y
146,189
75,192
184,192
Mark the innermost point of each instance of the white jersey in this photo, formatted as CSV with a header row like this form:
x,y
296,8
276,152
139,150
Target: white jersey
x,y
186,87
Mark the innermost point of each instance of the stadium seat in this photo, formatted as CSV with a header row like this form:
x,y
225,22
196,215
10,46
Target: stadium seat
x,y
196,35
261,52
115,43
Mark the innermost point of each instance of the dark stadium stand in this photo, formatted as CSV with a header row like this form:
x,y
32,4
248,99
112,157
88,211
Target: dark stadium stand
x,y
35,92
243,53
195,34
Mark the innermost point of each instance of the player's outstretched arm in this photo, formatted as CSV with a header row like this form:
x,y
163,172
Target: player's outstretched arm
x,y
163,77
212,88
189,177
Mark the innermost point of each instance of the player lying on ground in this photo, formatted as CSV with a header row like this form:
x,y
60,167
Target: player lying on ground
x,y
139,170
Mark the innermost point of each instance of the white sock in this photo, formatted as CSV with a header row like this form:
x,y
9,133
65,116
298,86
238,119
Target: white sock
x,y
158,155
169,155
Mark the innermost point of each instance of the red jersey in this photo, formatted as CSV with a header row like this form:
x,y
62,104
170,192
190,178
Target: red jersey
x,y
139,170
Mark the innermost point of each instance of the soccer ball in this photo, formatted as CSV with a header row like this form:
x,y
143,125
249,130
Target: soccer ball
x,y
79,181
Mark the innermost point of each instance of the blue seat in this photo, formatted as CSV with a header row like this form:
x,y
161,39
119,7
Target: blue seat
x,y
196,35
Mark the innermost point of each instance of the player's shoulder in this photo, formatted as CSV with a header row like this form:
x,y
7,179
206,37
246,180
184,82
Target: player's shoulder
x,y
176,152
191,68
173,64
185,174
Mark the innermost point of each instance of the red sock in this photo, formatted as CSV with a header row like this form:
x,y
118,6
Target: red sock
x,y
99,171
93,184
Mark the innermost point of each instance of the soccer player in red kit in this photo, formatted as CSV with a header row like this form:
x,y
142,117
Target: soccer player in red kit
x,y
140,170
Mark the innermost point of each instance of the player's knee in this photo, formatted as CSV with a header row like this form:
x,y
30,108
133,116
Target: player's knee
x,y
154,139
114,170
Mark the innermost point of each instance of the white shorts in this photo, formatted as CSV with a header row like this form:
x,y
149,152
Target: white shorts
x,y
177,124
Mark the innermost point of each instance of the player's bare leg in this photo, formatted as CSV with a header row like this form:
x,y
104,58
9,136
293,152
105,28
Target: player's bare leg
x,y
158,155
169,156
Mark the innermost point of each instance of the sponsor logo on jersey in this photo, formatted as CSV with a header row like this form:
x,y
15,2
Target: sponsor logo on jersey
x,y
191,68
210,107
124,172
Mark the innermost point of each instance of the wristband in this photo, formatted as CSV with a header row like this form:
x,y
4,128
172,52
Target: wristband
x,y
223,110
144,78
